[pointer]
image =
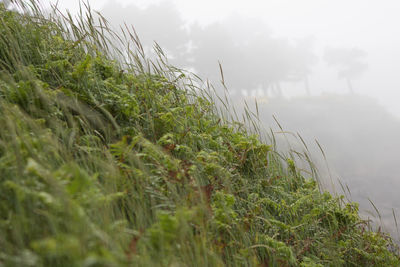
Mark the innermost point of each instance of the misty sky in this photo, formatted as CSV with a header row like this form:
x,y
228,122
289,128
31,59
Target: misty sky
x,y
370,25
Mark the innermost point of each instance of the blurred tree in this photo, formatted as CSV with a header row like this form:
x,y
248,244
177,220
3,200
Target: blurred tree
x,y
302,59
251,58
350,62
214,43
159,23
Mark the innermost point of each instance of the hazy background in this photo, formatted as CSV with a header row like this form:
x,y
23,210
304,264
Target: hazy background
x,y
326,69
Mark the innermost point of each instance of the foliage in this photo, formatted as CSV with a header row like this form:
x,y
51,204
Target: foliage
x,y
107,163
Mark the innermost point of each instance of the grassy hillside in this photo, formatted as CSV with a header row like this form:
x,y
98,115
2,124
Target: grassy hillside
x,y
114,163
359,138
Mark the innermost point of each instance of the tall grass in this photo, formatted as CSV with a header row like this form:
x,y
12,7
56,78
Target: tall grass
x,y
108,158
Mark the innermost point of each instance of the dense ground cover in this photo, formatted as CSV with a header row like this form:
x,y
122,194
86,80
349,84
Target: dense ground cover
x,y
110,163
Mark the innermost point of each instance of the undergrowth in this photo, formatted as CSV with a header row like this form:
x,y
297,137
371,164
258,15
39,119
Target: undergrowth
x,y
110,159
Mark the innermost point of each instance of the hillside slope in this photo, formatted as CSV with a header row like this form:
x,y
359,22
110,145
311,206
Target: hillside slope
x,y
111,164
359,138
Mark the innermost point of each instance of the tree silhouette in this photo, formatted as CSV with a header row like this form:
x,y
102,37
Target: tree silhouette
x,y
159,23
210,45
301,61
350,62
251,58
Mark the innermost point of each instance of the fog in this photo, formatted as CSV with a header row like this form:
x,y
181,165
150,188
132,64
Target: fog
x,y
326,69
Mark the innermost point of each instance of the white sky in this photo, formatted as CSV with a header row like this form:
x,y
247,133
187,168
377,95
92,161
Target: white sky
x,y
372,25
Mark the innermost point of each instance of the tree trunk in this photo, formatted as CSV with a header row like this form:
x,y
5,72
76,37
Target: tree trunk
x,y
307,85
278,89
350,86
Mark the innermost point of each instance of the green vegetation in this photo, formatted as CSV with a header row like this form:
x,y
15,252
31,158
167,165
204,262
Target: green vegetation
x,y
105,162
